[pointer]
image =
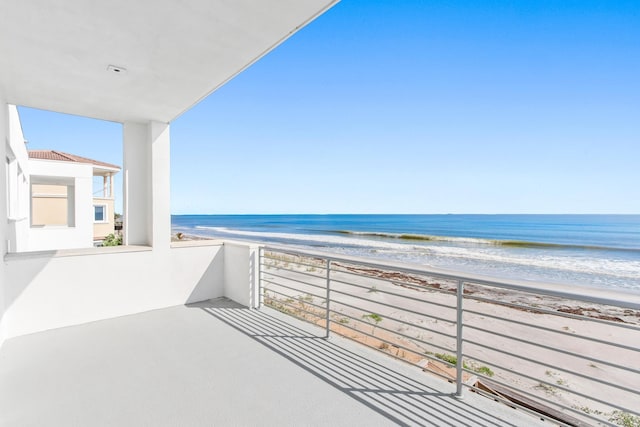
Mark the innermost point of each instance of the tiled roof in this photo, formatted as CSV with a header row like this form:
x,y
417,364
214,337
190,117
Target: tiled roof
x,y
66,157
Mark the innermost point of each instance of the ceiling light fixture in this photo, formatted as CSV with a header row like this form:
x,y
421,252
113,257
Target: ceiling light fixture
x,y
116,69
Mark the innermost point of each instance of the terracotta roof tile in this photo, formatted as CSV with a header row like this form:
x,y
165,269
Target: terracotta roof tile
x,y
66,157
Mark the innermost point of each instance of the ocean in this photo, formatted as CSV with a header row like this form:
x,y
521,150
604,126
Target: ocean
x,y
587,250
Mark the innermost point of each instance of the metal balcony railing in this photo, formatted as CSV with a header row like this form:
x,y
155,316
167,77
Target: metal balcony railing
x,y
569,356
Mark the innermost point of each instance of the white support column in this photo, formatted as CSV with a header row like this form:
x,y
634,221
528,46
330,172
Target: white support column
x,y
137,182
160,184
147,218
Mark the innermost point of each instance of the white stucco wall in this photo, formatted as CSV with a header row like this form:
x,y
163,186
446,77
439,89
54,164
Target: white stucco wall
x,y
240,273
18,191
47,291
80,235
4,134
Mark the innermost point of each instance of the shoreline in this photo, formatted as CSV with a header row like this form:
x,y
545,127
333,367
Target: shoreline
x,y
505,296
508,264
554,322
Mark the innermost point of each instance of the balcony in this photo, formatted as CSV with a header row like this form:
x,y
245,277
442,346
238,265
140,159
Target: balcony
x,y
76,355
218,363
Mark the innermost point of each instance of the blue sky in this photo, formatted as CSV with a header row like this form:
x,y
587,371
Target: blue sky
x,y
412,107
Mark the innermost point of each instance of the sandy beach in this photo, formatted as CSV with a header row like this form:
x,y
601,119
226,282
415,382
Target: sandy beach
x,y
550,350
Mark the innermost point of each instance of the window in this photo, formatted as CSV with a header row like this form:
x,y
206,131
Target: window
x,y
99,213
52,204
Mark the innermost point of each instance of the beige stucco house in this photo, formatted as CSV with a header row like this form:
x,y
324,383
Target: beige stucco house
x,y
55,200
53,197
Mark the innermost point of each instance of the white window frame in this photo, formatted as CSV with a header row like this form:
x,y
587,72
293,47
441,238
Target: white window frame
x,y
105,216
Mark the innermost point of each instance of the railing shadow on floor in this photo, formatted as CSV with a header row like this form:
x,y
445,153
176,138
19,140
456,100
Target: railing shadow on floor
x,y
394,395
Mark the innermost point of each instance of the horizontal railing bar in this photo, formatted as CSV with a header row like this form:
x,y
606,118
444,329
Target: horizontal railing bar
x,y
393,319
296,316
304,273
380,339
295,280
392,331
470,279
452,307
440,275
544,328
554,349
395,345
292,279
404,322
297,300
322,297
275,257
345,267
291,288
283,269
421,288
537,362
542,310
389,305
542,381
317,266
264,255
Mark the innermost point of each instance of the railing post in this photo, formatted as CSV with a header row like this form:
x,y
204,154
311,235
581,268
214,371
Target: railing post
x,y
328,311
260,295
459,353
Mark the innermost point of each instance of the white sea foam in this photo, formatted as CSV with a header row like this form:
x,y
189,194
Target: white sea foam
x,y
461,251
422,237
583,264
318,238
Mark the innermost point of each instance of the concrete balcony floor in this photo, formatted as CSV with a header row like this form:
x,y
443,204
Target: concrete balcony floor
x,y
217,363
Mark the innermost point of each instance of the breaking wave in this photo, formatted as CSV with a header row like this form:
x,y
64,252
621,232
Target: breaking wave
x,y
478,241
502,255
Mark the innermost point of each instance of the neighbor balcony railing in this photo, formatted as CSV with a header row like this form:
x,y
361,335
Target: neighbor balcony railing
x,y
562,355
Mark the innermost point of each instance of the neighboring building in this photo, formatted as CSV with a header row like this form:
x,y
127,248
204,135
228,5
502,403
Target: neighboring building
x,y
51,204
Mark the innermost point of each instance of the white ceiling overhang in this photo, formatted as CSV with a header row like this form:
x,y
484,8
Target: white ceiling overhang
x,y
54,55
